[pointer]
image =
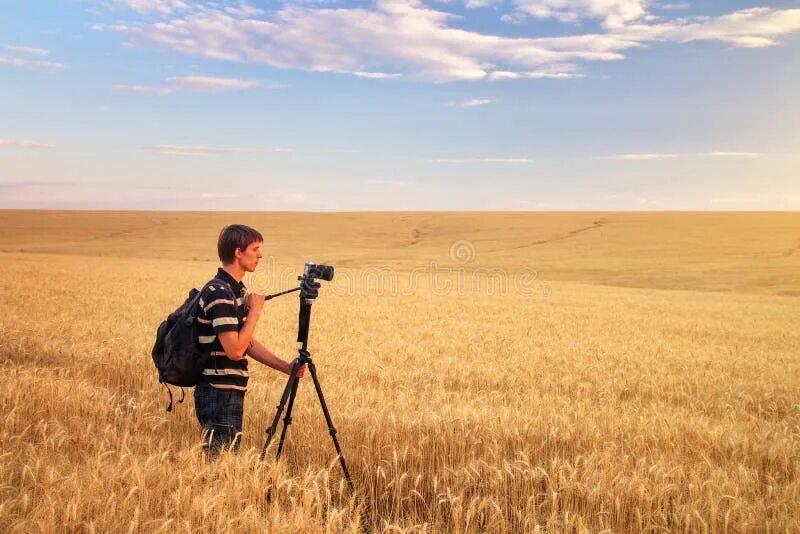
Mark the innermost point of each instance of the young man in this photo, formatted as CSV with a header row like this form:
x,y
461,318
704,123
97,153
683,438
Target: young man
x,y
226,324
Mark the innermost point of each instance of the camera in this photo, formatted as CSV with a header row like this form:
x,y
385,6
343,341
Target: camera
x,y
309,287
318,270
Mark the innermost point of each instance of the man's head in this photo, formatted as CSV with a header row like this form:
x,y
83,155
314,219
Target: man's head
x,y
241,245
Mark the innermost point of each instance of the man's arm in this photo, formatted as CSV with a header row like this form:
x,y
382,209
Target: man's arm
x,y
236,343
262,354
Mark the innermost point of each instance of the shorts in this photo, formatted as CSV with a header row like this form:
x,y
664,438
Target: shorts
x,y
219,412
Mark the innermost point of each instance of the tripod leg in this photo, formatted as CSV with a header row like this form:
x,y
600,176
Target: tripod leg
x,y
288,419
331,429
274,425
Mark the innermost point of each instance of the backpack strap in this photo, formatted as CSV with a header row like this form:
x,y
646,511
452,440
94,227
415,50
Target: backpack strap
x,y
227,286
169,392
197,300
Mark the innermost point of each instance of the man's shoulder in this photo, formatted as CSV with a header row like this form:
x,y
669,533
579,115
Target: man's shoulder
x,y
215,285
216,289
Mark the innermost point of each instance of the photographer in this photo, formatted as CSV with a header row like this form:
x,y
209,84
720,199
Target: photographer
x,y
226,324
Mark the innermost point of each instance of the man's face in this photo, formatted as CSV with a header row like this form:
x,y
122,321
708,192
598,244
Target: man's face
x,y
249,257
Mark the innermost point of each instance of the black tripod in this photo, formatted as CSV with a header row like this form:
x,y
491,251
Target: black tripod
x,y
308,292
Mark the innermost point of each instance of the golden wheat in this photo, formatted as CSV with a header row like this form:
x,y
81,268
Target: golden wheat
x,y
609,390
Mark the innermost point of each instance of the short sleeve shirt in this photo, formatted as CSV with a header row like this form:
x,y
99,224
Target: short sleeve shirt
x,y
223,309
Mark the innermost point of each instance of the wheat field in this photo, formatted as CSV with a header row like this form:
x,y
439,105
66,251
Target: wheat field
x,y
487,372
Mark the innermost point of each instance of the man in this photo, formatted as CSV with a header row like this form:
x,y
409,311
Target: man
x,y
226,324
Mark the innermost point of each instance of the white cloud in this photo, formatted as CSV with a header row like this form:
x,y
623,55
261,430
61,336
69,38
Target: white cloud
x,y
675,5
474,4
30,64
657,156
483,160
198,150
376,75
143,89
30,50
612,12
164,7
26,143
473,103
396,37
209,84
390,38
639,157
750,28
510,75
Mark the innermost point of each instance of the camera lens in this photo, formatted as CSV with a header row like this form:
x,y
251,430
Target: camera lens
x,y
320,271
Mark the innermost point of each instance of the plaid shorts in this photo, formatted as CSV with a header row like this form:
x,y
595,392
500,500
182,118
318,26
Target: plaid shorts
x,y
219,412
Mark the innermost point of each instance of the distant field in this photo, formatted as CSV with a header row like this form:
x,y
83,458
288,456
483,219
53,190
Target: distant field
x,y
731,252
499,372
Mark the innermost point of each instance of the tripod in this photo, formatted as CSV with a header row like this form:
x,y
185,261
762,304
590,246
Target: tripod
x,y
308,292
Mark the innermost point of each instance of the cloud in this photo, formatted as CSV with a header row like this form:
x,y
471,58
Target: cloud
x,y
511,75
376,75
657,156
475,102
639,157
143,90
198,150
26,143
164,7
209,84
27,50
612,12
749,28
675,5
483,160
474,4
391,38
31,64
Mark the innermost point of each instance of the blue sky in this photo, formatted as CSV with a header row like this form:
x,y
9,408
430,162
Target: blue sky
x,y
400,105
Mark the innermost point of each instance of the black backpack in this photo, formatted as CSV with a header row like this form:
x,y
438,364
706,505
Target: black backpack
x,y
176,352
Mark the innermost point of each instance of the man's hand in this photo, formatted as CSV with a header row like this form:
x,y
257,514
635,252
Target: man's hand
x,y
301,372
255,302
262,354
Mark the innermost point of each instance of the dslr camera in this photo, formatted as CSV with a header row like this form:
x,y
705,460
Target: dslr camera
x,y
309,287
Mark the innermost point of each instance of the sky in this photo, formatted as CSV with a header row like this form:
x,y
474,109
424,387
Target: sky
x,y
531,105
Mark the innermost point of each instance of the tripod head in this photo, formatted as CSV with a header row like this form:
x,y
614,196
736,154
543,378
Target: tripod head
x,y
309,287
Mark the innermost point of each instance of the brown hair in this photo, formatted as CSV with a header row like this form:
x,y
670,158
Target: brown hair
x,y
235,236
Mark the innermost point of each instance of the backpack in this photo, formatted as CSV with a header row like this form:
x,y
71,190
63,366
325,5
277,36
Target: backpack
x,y
176,353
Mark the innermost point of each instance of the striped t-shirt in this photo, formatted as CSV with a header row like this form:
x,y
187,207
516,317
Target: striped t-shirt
x,y
223,309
